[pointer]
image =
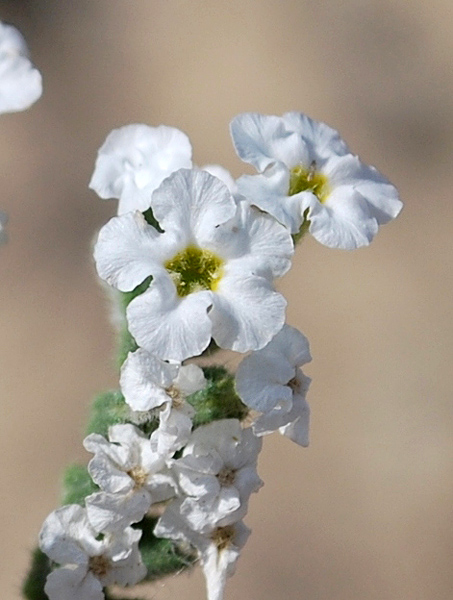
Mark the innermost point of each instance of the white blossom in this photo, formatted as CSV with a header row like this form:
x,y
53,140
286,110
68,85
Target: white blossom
x,y
212,268
307,173
131,473
135,159
271,382
217,474
149,383
90,562
218,549
20,81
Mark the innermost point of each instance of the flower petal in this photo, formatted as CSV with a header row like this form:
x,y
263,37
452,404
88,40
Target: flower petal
x,y
170,327
262,140
344,221
144,379
68,583
128,250
246,312
192,203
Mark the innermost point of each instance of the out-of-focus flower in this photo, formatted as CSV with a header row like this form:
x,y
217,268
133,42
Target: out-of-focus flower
x,y
20,81
135,159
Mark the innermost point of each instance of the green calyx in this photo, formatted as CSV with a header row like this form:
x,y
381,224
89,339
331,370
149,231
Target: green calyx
x,y
194,270
311,180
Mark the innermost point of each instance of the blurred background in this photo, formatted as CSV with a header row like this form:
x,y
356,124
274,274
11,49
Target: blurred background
x,y
365,511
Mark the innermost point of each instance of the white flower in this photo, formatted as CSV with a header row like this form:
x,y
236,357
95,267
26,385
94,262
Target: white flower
x,y
148,383
135,159
212,269
307,172
20,82
217,473
218,548
131,473
269,381
90,563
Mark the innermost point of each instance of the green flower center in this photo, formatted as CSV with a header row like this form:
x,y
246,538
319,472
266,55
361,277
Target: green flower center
x,y
302,180
194,270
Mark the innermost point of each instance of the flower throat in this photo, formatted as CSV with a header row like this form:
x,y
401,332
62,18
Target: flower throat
x,y
302,180
194,270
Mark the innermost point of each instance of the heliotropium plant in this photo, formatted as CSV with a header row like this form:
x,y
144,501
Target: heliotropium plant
x,y
193,257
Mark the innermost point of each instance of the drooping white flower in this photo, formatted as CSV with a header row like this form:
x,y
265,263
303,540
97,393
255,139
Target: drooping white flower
x,y
148,383
131,473
271,382
89,563
212,269
217,474
307,173
135,159
218,549
20,82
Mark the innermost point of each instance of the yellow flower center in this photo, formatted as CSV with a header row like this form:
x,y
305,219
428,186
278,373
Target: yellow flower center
x,y
194,270
311,180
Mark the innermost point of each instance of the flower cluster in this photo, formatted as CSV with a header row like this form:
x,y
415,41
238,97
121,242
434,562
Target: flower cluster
x,y
194,257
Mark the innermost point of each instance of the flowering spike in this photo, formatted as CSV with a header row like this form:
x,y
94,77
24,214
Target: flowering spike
x,y
193,257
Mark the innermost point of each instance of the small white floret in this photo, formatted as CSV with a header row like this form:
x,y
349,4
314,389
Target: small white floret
x,y
89,561
217,474
218,548
271,382
131,473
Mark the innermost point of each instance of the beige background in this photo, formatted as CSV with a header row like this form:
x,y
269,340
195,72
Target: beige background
x,y
365,512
